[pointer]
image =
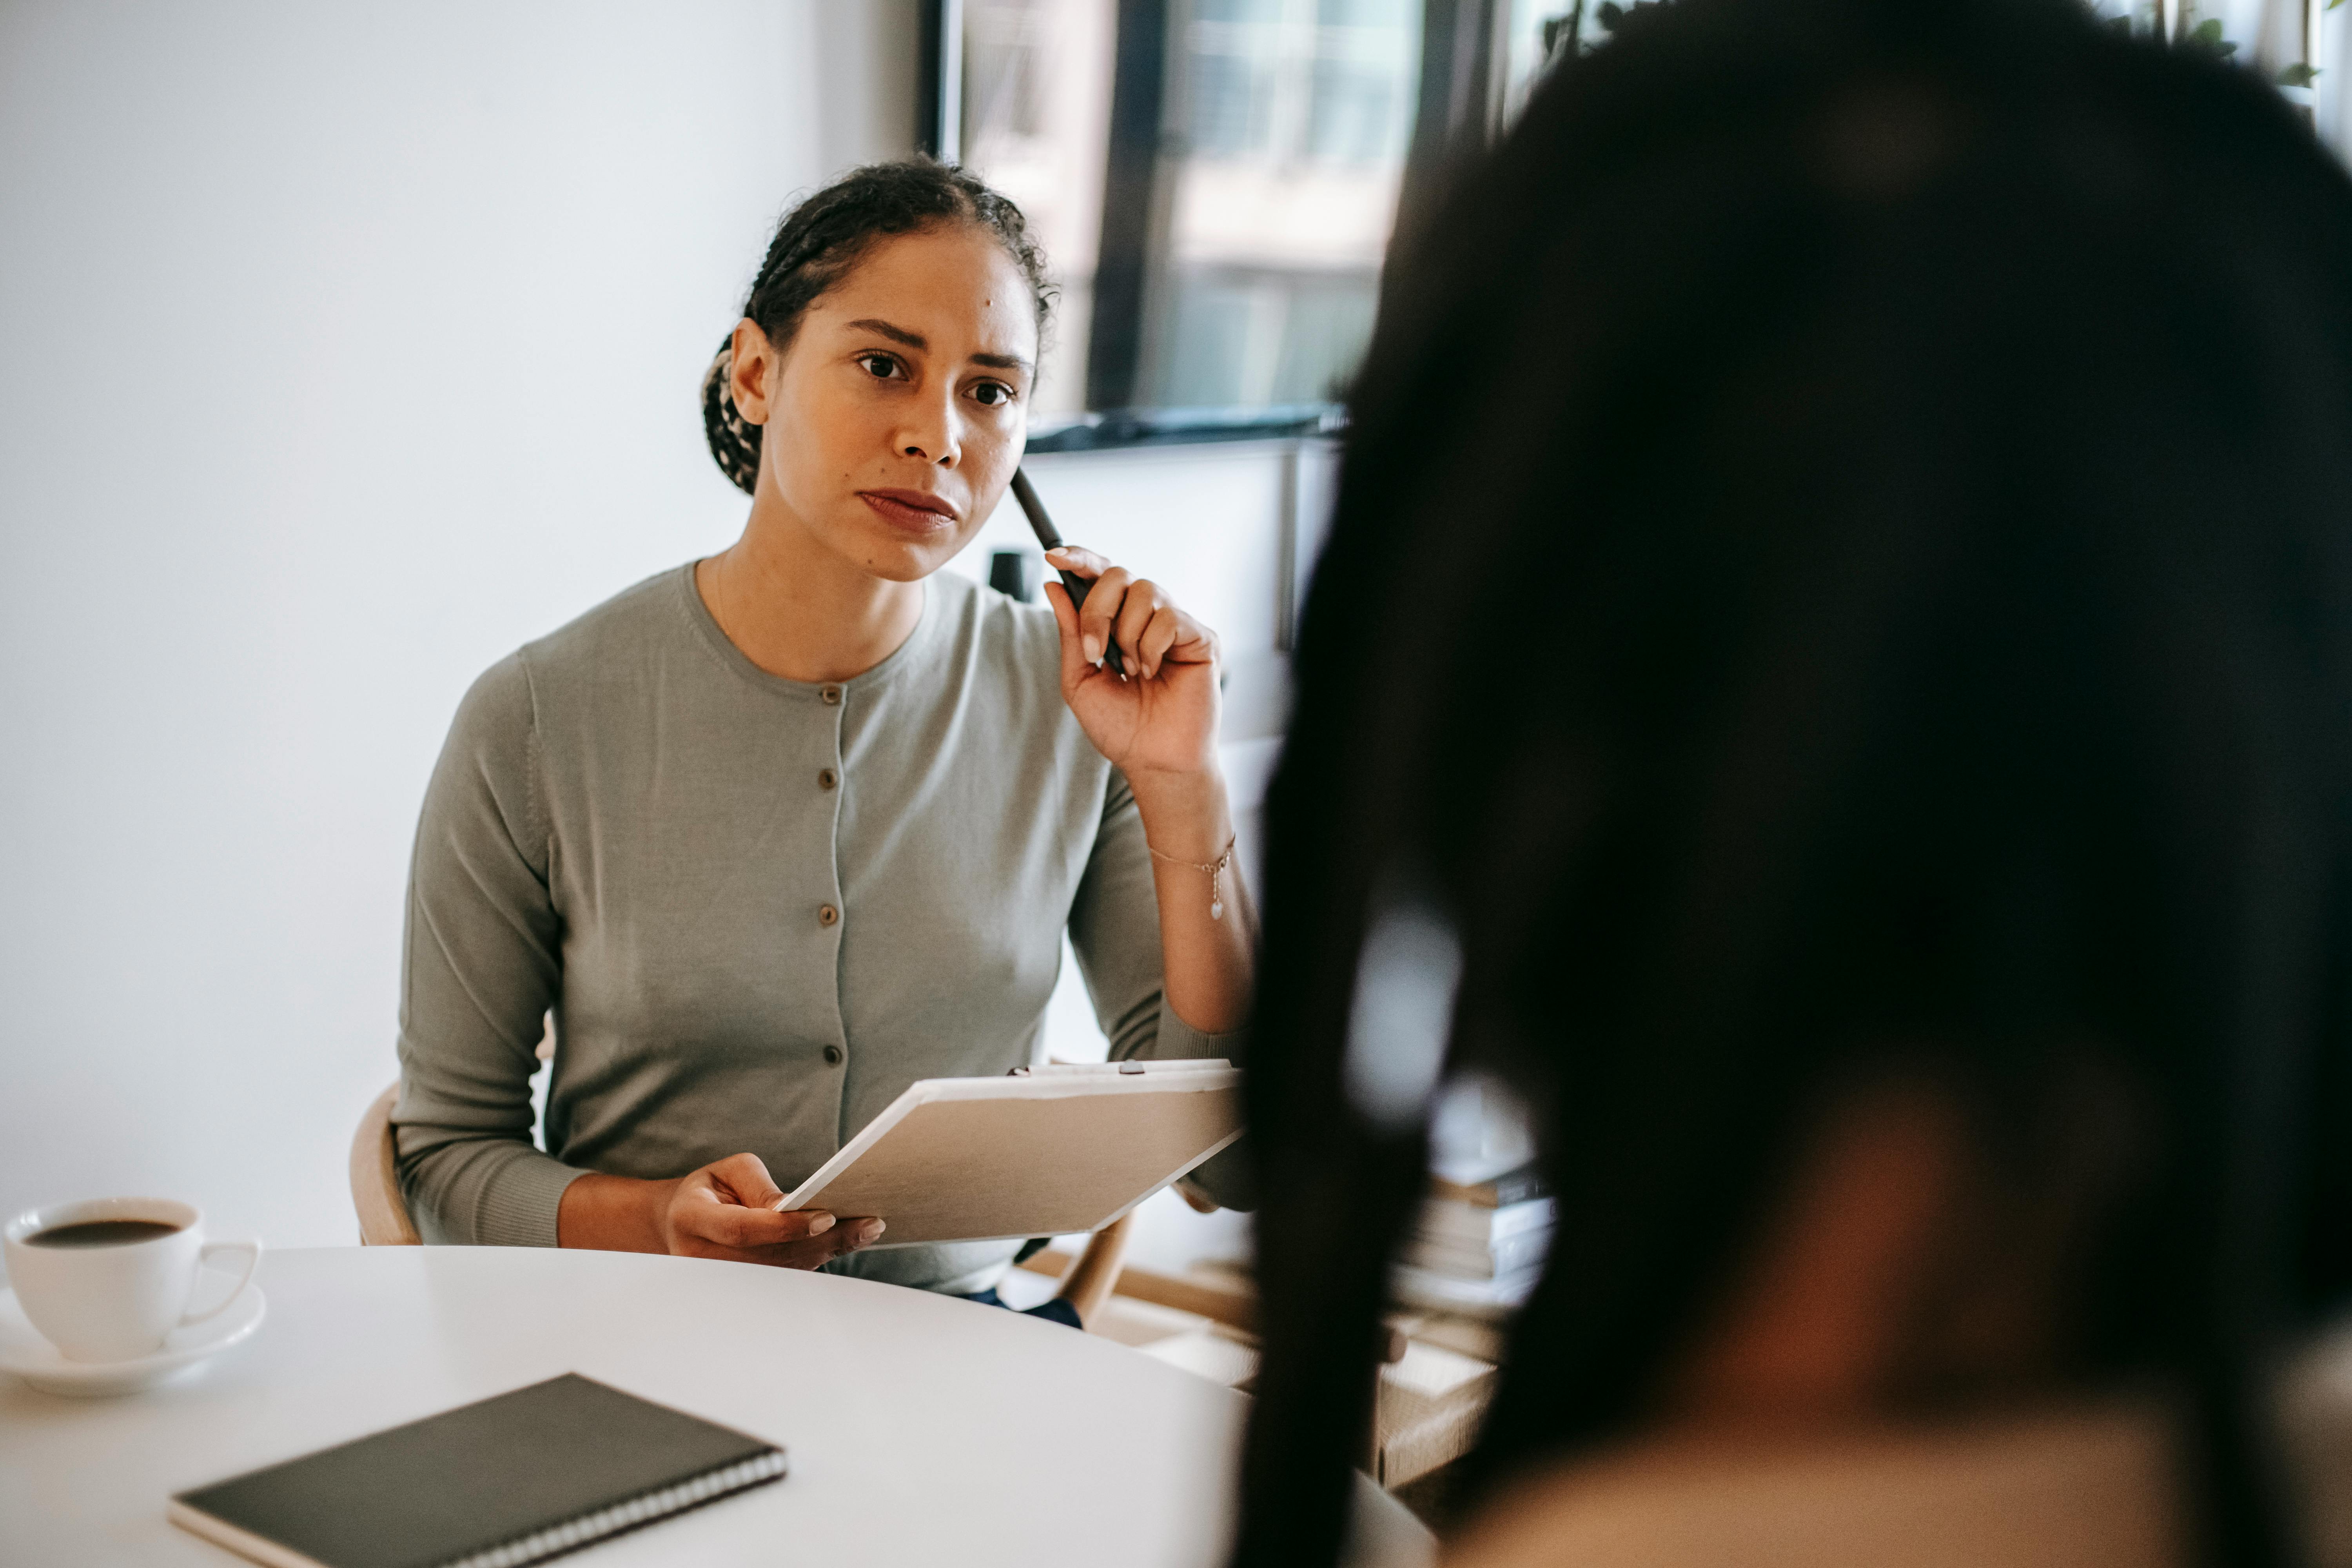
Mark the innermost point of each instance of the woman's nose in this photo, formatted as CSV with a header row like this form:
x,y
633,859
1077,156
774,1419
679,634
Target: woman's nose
x,y
932,437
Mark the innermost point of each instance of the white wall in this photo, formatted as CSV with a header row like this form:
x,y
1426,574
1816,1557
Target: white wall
x,y
342,348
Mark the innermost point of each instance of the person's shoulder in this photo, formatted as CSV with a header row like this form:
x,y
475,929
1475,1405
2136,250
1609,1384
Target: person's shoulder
x,y
627,620
509,697
495,706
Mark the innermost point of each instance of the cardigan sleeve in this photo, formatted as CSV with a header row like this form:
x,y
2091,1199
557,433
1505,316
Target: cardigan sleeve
x,y
1114,931
482,965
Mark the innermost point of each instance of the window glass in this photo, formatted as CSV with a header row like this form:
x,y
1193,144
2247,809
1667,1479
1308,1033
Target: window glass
x,y
1289,121
2303,48
1037,125
1246,268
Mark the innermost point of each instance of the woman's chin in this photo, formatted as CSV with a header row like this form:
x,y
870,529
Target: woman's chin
x,y
902,559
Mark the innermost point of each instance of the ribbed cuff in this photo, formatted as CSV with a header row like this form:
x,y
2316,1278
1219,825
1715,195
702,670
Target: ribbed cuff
x,y
518,1202
1179,1041
1227,1178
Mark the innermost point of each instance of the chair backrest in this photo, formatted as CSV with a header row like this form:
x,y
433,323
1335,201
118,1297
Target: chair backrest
x,y
376,1179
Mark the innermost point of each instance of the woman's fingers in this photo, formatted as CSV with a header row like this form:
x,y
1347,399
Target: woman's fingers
x,y
1077,560
847,1236
1141,602
1134,613
744,1179
1171,637
1107,590
1098,616
728,1208
795,1239
736,1226
1159,636
1076,667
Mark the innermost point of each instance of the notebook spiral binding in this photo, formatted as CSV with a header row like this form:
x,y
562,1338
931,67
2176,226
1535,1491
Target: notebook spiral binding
x,y
572,1534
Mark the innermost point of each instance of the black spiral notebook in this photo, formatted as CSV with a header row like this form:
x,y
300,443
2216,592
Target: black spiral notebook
x,y
516,1478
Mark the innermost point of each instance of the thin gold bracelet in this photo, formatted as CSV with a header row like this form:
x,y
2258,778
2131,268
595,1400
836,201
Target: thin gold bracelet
x,y
1216,904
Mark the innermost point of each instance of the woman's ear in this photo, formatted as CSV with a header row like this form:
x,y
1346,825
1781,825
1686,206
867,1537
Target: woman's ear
x,y
751,372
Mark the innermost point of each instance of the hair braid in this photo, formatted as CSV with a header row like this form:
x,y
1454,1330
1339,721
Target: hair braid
x,y
821,239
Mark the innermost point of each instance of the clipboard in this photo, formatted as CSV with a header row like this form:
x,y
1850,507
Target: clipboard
x,y
1048,1151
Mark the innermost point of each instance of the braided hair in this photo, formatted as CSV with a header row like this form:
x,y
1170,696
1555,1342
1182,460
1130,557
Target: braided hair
x,y
817,243
1917,700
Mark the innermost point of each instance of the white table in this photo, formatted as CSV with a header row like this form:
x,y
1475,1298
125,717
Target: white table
x,y
922,1430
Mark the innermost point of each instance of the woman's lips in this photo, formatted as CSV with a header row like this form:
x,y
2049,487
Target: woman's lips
x,y
914,511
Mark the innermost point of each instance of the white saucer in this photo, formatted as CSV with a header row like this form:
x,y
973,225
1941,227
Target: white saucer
x,y
25,1353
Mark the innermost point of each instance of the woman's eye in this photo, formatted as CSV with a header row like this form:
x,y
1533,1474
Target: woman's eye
x,y
991,394
881,366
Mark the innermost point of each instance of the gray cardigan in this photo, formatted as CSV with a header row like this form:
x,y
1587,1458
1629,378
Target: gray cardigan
x,y
759,908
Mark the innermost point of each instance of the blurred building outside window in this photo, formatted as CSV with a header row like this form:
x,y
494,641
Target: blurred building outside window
x,y
2303,48
1285,127
1263,203
1037,125
1291,121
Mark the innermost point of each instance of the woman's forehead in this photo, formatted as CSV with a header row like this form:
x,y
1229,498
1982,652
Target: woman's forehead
x,y
953,287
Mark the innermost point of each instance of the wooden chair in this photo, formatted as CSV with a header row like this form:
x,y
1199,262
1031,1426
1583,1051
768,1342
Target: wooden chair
x,y
375,1178
384,1221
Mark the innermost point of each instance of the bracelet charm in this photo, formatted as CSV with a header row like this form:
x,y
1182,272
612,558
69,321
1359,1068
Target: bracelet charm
x,y
1216,900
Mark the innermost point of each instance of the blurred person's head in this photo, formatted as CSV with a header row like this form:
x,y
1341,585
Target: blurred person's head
x,y
1841,604
890,343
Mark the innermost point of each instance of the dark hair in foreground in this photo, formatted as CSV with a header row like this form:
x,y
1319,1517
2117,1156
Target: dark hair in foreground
x,y
1845,549
821,238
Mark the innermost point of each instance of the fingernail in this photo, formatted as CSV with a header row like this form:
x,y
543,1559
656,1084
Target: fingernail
x,y
819,1223
1091,646
1059,550
874,1227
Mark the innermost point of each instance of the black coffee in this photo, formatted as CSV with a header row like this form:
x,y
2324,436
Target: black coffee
x,y
100,1233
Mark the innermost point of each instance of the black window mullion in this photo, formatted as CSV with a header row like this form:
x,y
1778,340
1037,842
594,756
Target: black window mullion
x,y
1462,61
1131,204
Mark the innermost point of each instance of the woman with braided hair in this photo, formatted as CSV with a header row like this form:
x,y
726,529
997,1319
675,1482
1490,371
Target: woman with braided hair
x,y
777,833
1903,856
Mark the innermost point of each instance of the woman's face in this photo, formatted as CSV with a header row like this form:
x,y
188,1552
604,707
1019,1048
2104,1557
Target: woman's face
x,y
895,419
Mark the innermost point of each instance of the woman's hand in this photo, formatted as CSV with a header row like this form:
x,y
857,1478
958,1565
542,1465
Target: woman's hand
x,y
1162,715
727,1209
1158,725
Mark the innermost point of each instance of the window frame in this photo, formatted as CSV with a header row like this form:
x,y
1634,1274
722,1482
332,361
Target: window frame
x,y
1456,108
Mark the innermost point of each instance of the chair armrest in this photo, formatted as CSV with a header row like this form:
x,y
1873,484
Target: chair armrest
x,y
376,1179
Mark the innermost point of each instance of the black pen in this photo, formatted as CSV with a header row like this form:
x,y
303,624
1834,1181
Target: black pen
x,y
1042,526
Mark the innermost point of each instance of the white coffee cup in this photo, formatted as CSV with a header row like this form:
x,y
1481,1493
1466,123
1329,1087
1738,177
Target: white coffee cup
x,y
100,1300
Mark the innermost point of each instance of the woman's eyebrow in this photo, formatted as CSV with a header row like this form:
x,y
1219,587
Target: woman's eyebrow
x,y
918,342
896,334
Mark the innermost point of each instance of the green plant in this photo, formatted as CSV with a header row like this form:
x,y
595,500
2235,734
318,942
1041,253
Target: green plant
x,y
2206,37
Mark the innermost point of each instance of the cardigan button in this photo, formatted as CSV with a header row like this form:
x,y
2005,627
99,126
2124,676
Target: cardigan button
x,y
833,1056
827,915
831,695
826,778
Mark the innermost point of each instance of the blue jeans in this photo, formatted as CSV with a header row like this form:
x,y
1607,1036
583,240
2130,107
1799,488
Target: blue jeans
x,y
1053,1312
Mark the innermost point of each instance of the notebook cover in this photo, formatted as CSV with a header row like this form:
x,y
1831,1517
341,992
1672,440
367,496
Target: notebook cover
x,y
445,1489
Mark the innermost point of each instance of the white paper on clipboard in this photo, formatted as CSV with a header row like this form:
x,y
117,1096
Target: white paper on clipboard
x,y
1052,1150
